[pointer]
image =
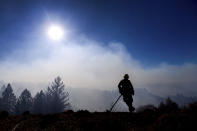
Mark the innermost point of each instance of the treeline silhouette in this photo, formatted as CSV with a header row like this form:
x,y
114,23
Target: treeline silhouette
x,y
55,99
168,115
164,107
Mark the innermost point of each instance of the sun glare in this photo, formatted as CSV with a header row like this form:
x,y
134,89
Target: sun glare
x,y
55,32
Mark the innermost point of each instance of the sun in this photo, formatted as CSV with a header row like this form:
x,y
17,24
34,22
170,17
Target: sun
x,y
55,32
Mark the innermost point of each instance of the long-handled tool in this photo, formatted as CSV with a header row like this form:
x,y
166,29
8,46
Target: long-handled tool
x,y
114,103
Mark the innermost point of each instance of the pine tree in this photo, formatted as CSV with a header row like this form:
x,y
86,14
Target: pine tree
x,y
8,99
57,97
171,105
1,105
24,102
39,103
2,89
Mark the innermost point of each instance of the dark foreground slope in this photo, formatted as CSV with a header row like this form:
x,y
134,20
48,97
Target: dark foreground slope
x,y
149,119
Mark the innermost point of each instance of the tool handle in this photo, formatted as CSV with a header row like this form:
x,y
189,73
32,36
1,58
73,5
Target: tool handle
x,y
115,103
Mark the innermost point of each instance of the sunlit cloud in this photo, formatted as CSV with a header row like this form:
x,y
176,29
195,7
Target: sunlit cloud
x,y
82,62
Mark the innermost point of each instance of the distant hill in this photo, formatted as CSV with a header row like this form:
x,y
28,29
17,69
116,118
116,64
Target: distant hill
x,y
101,100
182,100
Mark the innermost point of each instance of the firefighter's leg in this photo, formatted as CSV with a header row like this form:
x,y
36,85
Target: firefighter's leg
x,y
130,101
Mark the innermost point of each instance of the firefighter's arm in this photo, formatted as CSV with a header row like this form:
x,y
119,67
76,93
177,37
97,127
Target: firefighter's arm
x,y
120,87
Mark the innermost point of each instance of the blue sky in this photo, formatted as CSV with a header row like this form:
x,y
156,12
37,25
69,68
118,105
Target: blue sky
x,y
153,41
152,31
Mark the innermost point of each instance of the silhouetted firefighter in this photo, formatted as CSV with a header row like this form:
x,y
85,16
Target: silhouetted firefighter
x,y
126,90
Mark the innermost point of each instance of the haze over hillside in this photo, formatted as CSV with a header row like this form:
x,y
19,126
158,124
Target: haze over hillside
x,y
101,100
